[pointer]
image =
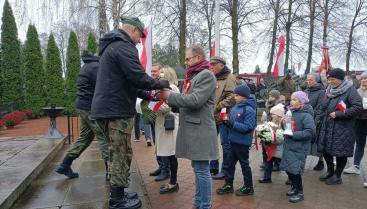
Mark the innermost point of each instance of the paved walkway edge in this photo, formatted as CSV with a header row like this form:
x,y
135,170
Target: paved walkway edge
x,y
143,188
16,193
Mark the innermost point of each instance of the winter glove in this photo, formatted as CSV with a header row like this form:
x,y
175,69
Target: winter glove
x,y
228,123
163,84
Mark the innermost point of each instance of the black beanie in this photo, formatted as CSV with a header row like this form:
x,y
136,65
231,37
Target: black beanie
x,y
337,73
242,90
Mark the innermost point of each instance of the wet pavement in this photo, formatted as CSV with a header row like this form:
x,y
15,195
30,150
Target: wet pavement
x,y
350,195
21,161
89,191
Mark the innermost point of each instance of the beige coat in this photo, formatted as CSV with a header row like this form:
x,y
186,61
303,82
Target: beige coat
x,y
165,140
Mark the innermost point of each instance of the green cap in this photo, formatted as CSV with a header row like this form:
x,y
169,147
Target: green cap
x,y
134,21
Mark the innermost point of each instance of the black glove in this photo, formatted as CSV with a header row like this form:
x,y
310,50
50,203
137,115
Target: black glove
x,y
163,84
175,109
228,123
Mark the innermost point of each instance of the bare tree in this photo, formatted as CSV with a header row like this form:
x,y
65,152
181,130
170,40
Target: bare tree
x,y
242,13
312,10
102,17
275,6
206,9
182,35
359,19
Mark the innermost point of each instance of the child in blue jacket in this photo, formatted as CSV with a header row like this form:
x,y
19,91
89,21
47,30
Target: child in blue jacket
x,y
241,123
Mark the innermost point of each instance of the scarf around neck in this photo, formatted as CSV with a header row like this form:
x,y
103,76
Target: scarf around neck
x,y
339,90
194,69
223,74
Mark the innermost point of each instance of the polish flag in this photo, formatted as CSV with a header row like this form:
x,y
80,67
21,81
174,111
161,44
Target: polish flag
x,y
212,50
146,55
279,62
341,106
223,113
154,106
146,59
325,62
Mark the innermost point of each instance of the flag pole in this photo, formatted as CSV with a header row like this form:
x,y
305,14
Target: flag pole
x,y
217,27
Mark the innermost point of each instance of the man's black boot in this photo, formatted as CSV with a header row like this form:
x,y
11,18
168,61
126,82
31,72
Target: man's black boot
x,y
107,174
65,167
118,200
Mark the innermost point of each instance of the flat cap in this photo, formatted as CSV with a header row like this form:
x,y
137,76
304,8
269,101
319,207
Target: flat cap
x,y
134,21
217,59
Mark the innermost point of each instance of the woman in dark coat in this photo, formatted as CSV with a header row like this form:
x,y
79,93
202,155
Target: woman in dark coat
x,y
337,134
316,92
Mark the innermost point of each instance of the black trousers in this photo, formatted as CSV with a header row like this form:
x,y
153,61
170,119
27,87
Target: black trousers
x,y
239,153
340,164
173,168
296,180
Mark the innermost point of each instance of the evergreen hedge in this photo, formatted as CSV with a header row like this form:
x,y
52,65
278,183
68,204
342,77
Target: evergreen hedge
x,y
33,72
72,70
11,84
54,80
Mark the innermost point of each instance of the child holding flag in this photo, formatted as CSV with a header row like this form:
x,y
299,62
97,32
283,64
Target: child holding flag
x,y
241,123
297,143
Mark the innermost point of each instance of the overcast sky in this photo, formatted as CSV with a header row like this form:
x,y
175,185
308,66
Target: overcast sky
x,y
36,15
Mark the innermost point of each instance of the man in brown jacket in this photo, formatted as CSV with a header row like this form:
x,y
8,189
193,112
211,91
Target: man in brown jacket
x,y
286,86
224,100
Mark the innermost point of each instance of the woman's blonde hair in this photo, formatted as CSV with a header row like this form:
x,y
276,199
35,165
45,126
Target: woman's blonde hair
x,y
169,74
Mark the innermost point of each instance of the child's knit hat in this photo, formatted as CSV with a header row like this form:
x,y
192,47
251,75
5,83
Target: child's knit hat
x,y
278,110
301,96
242,90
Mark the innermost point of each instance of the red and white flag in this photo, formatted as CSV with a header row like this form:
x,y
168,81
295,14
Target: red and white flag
x,y
341,106
325,62
279,62
146,55
212,50
223,113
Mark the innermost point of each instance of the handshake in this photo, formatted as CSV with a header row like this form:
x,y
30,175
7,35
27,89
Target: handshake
x,y
162,94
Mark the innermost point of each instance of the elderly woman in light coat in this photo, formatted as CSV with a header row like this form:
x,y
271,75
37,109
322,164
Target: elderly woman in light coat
x,y
166,139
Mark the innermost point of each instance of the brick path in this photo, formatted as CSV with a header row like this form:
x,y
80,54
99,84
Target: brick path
x,y
351,194
38,127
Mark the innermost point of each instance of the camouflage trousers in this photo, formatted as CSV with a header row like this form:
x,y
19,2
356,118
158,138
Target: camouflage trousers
x,y
119,134
88,130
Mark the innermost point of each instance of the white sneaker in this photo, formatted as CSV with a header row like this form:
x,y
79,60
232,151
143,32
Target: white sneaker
x,y
352,170
365,184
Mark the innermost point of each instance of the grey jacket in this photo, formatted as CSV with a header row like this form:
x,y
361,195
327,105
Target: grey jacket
x,y
197,135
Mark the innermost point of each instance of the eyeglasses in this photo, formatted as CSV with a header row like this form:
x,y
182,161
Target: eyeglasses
x,y
189,58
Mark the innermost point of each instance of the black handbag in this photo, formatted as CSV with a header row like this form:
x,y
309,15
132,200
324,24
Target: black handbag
x,y
169,122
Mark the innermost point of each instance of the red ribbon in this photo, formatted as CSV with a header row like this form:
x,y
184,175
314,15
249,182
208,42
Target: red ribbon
x,y
158,105
187,87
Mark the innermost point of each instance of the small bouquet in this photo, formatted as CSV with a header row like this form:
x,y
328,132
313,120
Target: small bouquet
x,y
267,133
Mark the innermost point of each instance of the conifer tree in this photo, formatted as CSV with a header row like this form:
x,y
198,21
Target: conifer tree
x,y
33,72
92,43
11,84
72,70
54,81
